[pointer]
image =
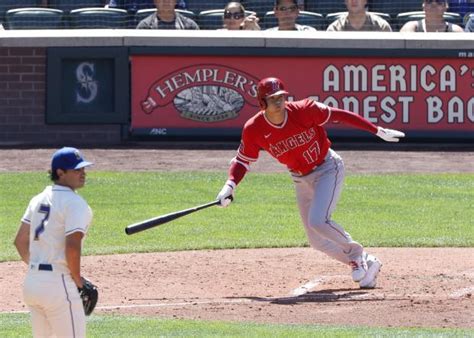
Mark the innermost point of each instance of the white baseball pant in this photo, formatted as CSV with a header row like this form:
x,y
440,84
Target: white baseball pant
x,y
317,194
55,305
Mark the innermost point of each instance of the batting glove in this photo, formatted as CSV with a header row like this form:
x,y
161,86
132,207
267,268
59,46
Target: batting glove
x,y
226,195
389,135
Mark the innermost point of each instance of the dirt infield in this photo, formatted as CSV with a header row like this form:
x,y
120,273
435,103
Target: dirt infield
x,y
421,287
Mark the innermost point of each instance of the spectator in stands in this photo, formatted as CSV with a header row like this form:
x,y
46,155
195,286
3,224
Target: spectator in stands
x,y
433,21
1,27
286,12
358,19
235,19
166,17
132,6
470,24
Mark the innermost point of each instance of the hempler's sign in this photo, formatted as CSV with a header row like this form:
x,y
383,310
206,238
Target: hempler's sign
x,y
214,92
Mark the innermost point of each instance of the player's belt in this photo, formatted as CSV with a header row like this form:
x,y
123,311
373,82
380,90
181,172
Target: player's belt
x,y
301,174
48,267
45,267
320,163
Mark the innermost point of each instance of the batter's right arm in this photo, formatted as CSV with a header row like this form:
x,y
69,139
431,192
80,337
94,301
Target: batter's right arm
x,y
237,172
22,242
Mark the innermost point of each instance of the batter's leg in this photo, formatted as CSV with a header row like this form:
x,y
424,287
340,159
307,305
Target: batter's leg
x,y
304,195
317,196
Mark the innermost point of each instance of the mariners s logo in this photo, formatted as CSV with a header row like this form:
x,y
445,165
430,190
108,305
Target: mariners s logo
x,y
87,86
206,93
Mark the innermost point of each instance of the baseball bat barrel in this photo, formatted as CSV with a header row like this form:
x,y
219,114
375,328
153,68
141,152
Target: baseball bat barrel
x,y
156,221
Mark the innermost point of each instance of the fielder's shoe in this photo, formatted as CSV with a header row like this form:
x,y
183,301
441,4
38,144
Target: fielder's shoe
x,y
373,268
359,267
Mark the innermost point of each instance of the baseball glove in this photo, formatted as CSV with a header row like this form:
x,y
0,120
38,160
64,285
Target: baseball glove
x,y
89,296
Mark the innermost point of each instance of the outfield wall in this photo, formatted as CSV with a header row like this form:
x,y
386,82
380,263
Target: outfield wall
x,y
91,86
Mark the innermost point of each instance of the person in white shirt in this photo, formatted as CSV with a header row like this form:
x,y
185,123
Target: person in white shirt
x,y
434,20
49,241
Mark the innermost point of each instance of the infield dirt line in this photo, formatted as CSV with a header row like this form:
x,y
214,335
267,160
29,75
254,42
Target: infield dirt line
x,y
323,297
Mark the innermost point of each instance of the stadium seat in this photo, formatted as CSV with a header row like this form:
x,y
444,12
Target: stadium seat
x,y
331,17
261,7
315,20
69,5
143,13
34,18
98,18
213,19
403,18
6,5
393,8
325,6
198,6
469,22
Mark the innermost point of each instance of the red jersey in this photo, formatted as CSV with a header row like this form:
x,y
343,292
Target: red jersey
x,y
300,142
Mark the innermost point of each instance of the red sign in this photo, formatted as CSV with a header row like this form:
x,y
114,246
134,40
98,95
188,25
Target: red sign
x,y
220,91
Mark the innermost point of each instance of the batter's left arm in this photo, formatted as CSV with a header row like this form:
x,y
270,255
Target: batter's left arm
x,y
357,121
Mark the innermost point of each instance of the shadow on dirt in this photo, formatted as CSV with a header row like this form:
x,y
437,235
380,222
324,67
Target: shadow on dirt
x,y
323,296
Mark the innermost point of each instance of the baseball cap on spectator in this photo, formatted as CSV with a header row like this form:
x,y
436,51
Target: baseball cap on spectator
x,y
68,158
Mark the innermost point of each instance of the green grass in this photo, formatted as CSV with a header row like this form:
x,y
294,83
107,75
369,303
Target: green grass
x,y
18,325
378,210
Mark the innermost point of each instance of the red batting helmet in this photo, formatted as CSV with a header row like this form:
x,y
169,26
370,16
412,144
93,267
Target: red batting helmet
x,y
269,86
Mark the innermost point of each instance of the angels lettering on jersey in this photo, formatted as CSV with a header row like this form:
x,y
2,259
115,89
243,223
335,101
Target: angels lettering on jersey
x,y
300,142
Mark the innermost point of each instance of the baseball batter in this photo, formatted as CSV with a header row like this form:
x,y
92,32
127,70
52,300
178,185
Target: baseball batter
x,y
49,241
294,134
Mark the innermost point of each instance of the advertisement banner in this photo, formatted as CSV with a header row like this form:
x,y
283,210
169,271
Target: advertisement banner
x,y
216,92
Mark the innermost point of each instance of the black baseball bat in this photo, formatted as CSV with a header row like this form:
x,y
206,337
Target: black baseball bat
x,y
153,222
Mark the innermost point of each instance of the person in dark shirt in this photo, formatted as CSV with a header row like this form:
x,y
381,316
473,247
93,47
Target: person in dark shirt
x,y
166,17
358,19
286,13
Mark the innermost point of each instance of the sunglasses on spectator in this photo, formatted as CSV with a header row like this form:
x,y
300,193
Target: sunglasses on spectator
x,y
291,8
235,15
439,2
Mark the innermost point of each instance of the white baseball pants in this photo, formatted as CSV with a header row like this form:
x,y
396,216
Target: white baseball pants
x,y
317,194
55,306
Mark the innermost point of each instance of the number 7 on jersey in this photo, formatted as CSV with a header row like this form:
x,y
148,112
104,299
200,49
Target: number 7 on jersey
x,y
43,209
